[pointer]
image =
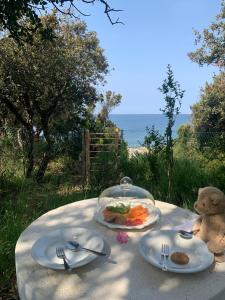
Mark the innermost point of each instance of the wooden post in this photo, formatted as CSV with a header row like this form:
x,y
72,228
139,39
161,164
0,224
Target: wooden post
x,y
121,134
83,157
87,156
116,146
117,138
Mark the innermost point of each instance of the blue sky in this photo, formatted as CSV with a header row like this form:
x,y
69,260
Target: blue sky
x,y
156,33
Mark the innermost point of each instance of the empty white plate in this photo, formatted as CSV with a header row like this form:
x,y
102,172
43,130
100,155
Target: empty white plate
x,y
44,249
199,256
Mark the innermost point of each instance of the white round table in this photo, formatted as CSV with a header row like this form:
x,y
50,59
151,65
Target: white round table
x,y
124,275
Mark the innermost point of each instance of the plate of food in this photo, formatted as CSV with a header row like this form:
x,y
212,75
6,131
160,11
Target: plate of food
x,y
44,249
183,255
124,215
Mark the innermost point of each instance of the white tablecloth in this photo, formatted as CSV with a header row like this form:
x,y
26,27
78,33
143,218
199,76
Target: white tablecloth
x,y
125,275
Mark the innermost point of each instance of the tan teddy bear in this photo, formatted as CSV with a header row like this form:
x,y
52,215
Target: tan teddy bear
x,y
211,224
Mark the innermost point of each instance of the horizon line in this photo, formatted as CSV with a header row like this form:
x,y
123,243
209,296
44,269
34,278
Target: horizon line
x,y
144,114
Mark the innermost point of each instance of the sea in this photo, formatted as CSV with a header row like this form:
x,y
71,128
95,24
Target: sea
x,y
134,126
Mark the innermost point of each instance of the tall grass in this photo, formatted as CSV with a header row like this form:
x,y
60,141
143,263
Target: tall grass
x,y
190,173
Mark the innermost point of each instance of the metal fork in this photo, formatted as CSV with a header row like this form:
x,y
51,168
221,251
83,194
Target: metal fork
x,y
61,254
165,255
75,246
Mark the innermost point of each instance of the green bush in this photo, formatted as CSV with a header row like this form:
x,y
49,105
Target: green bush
x,y
190,173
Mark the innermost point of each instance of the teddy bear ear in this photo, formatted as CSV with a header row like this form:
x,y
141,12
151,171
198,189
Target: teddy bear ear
x,y
199,190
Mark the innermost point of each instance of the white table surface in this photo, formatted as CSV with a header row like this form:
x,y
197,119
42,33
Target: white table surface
x,y
124,275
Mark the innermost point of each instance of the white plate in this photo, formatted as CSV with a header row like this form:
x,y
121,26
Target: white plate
x,y
199,256
44,249
154,214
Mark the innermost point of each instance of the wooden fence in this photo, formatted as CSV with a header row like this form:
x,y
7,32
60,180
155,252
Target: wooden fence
x,y
95,143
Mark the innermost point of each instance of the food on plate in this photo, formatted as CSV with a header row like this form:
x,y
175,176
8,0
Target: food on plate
x,y
122,214
179,258
120,208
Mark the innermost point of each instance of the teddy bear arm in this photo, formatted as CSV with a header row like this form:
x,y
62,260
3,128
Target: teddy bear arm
x,y
196,226
217,244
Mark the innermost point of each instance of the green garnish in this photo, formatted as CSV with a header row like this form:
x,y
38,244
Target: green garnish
x,y
120,208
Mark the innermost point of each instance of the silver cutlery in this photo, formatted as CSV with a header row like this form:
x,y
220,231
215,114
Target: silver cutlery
x,y
187,234
75,246
61,254
165,255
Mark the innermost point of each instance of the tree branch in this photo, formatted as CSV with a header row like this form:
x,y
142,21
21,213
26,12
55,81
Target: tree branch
x,y
11,14
79,11
61,11
108,10
52,107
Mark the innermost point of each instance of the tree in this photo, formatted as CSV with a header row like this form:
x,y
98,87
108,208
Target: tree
x,y
108,102
172,96
209,112
212,40
185,135
13,13
50,83
158,144
208,115
155,144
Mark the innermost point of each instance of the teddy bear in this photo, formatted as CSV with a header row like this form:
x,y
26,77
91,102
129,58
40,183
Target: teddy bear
x,y
210,226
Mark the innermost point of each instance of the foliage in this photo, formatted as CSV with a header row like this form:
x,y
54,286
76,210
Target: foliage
x,y
209,115
172,96
14,12
107,168
50,84
188,176
209,112
108,102
156,143
144,173
186,141
10,154
185,133
191,171
212,41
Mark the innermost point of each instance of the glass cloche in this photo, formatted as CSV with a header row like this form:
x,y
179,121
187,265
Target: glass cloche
x,y
126,206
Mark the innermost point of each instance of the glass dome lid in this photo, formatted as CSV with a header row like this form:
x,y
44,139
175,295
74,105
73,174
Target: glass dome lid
x,y
124,192
126,206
